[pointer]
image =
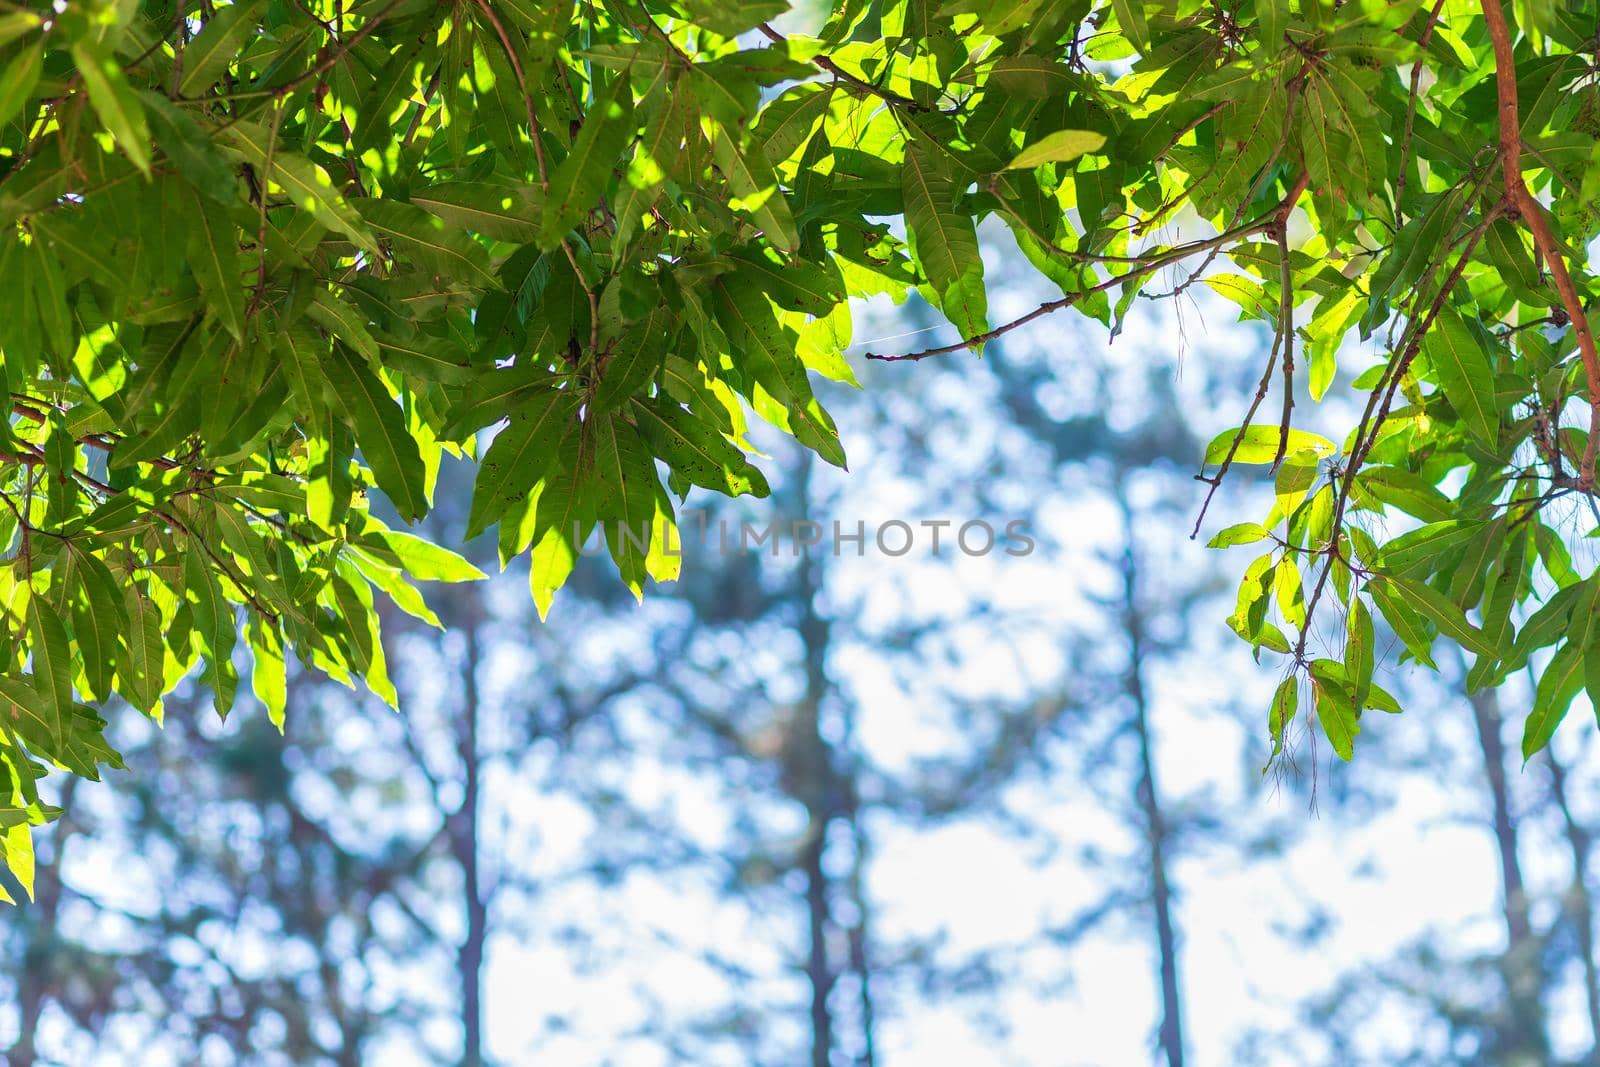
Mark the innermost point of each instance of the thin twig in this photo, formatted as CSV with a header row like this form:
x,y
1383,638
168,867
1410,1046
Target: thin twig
x,y
1154,263
1215,480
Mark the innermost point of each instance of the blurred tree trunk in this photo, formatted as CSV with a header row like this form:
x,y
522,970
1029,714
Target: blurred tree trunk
x,y
1526,1041
465,847
37,973
1578,906
1170,1035
818,969
812,778
860,938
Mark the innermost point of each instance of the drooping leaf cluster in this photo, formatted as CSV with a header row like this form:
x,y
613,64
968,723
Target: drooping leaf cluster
x,y
259,258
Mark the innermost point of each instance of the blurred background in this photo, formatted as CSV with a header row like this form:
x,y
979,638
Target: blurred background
x,y
845,808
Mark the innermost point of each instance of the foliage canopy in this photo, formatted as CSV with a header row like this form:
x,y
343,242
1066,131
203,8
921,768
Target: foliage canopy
x,y
259,258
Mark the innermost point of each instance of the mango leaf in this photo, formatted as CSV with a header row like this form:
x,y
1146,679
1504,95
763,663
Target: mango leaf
x,y
52,665
18,78
1259,444
520,456
696,450
1561,681
428,240
1060,146
580,180
1336,712
218,43
214,258
115,103
944,244
380,431
1465,372
1437,608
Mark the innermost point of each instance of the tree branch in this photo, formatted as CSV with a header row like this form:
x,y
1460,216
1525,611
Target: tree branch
x,y
1505,76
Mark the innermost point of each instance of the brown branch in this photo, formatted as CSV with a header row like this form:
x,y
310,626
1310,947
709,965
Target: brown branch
x,y
102,442
1505,76
1172,142
1286,332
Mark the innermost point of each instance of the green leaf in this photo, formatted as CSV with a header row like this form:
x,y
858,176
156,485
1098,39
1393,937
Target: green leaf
x,y
1259,444
1406,623
731,18
581,178
1418,552
565,516
1244,533
116,103
187,144
214,623
503,212
944,244
1271,18
626,487
142,669
16,844
790,120
98,617
305,183
755,189
345,323
1359,651
214,258
1562,679
17,24
769,355
1130,16
1061,146
52,664
218,43
428,240
520,456
1285,702
1436,607
696,450
300,355
380,431
269,674
637,357
422,560
1465,372
18,78
1335,710
30,711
